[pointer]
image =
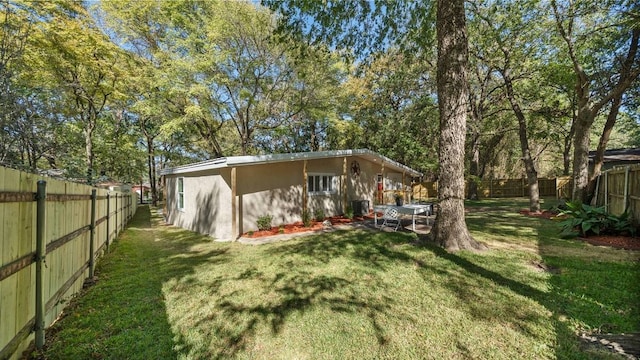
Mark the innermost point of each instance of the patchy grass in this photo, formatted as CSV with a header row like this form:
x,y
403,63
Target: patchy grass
x,y
167,293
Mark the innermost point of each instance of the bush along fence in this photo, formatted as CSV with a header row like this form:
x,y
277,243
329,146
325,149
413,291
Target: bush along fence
x,y
51,233
618,190
560,187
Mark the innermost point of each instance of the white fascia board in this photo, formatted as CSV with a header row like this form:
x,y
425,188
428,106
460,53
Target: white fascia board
x,y
199,166
277,158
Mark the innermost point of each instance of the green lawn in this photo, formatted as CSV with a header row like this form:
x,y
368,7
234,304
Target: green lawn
x,y
168,293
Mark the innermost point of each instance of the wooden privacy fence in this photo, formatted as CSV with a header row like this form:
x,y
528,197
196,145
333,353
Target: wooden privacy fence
x,y
51,232
559,187
618,190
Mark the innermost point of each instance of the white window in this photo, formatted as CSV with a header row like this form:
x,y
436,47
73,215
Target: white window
x,y
321,184
180,193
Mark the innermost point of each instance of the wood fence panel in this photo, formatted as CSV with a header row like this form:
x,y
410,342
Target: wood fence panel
x,y
547,187
503,188
619,189
67,238
425,190
616,191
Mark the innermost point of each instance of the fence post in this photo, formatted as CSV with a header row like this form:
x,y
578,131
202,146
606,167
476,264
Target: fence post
x,y
108,213
41,197
606,191
92,254
626,189
595,197
116,216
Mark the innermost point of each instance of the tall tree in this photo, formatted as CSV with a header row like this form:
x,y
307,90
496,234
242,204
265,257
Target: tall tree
x,y
367,27
605,63
84,64
508,49
138,26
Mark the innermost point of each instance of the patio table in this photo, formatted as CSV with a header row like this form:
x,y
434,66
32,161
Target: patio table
x,y
408,209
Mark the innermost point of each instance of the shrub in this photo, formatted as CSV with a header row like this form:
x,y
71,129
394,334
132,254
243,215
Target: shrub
x,y
281,230
306,218
318,215
348,213
264,222
583,219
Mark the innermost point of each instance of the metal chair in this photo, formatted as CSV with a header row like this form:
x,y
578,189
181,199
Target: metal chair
x,y
391,216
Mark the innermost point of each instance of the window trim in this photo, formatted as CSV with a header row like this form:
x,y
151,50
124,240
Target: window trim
x,y
180,193
333,184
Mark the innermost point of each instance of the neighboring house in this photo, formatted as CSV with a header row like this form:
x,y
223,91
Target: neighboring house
x,y
115,186
616,157
143,191
224,197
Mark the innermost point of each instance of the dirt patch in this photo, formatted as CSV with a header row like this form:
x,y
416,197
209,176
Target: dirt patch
x,y
627,345
299,226
545,214
540,266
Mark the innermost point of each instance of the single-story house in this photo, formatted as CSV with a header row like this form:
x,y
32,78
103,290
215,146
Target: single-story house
x,y
142,190
224,197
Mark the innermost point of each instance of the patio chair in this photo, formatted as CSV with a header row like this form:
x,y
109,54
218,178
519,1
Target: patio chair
x,y
390,217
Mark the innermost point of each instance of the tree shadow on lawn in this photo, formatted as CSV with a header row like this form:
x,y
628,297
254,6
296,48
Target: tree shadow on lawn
x,y
295,283
582,290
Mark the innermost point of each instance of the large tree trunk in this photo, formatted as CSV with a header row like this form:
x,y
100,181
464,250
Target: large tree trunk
x,y
151,160
450,229
88,141
598,159
581,156
588,105
566,152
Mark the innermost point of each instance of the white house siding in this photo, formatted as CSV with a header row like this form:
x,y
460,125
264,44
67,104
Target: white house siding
x,y
207,203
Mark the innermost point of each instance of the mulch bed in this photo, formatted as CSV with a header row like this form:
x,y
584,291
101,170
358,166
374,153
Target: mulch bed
x,y
618,242
299,226
614,241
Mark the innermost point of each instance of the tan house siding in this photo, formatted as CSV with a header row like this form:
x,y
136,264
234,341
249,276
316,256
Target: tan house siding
x,y
207,203
268,188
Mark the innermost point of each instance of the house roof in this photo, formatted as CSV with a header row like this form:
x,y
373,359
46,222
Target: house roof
x,y
619,155
233,161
